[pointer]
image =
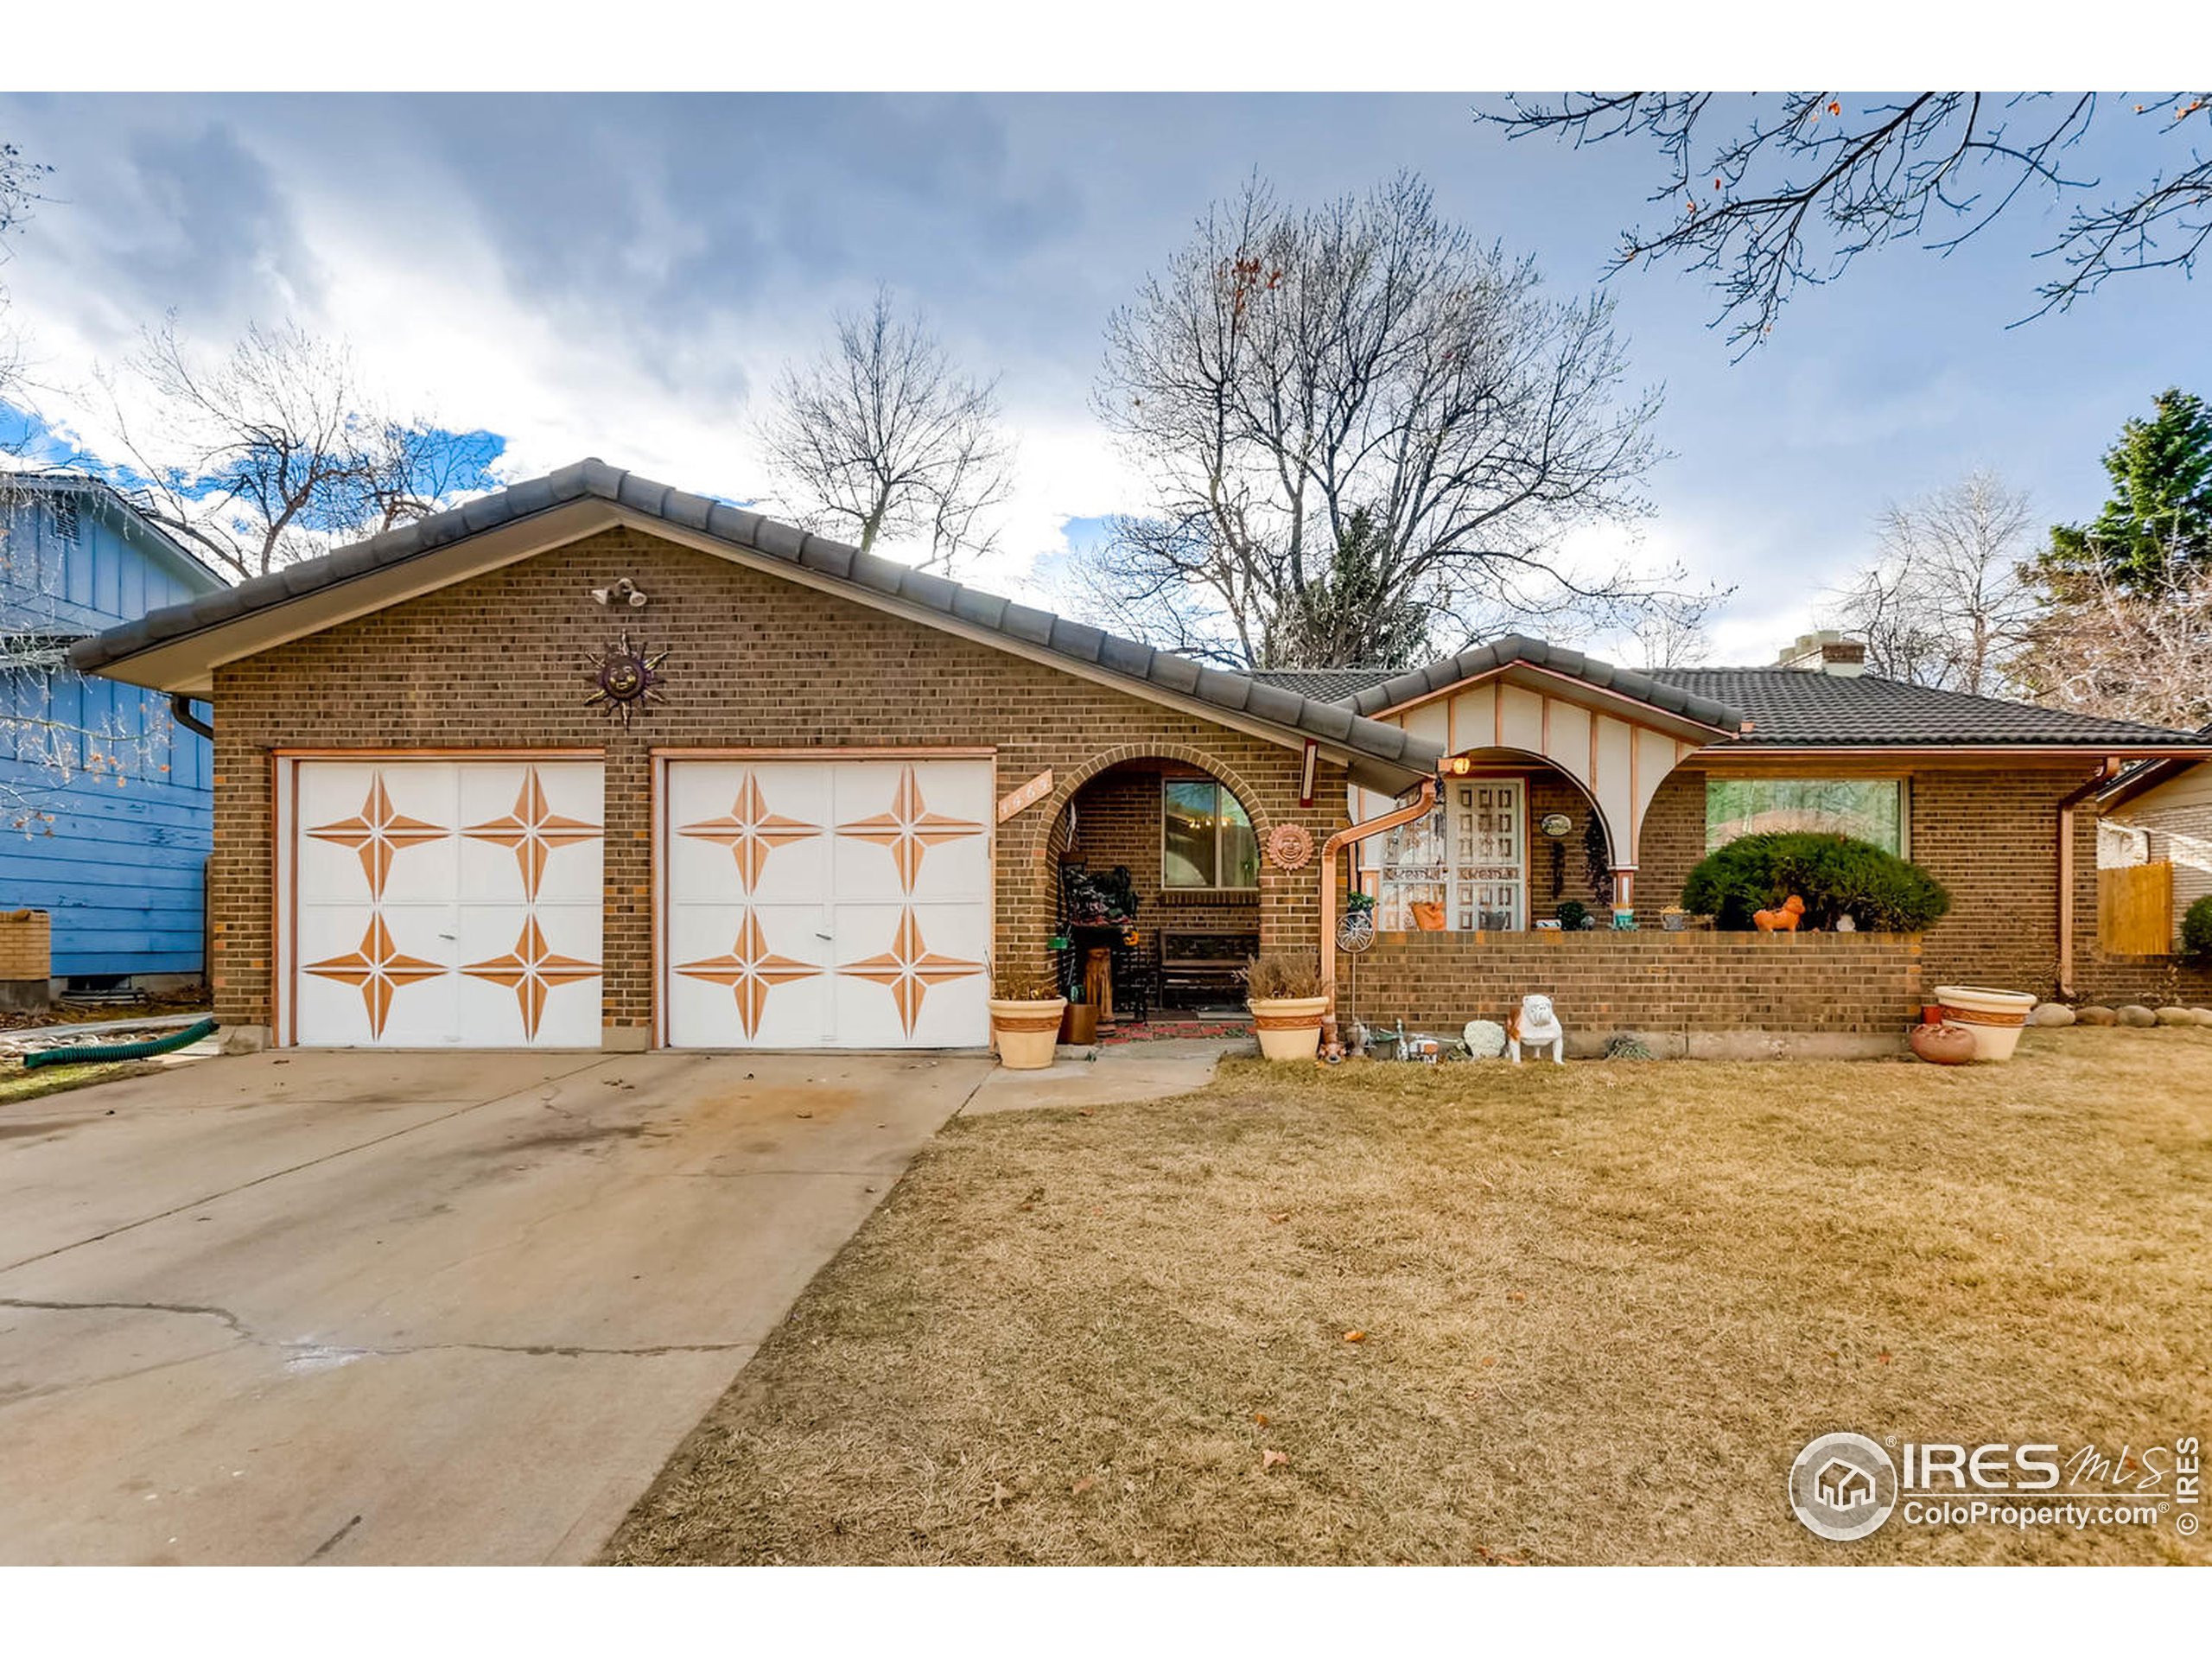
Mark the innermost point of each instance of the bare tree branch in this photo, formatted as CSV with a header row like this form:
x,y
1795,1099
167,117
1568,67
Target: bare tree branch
x,y
1361,428
1813,180
1943,604
881,438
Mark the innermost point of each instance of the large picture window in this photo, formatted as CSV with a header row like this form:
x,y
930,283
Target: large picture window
x,y
1867,809
1206,837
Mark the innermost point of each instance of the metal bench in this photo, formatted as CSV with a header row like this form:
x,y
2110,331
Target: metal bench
x,y
1205,961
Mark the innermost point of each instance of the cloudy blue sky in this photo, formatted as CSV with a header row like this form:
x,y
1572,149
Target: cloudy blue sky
x,y
620,275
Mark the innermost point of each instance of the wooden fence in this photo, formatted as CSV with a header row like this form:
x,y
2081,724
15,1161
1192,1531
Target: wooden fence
x,y
2135,910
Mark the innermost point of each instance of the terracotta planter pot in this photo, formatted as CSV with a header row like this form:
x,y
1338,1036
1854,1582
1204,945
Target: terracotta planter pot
x,y
1025,1033
1944,1045
1993,1017
1289,1028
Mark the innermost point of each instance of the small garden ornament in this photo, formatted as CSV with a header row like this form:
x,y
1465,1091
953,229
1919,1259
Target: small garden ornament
x,y
1783,920
1535,1024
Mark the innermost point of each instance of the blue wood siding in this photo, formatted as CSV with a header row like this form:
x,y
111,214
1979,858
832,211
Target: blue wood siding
x,y
116,852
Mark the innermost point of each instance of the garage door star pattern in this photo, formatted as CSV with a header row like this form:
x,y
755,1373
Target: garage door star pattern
x,y
909,969
530,970
909,829
751,970
906,968
751,831
379,833
379,968
533,830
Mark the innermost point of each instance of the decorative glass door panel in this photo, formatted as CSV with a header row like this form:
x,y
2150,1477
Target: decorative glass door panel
x,y
1489,871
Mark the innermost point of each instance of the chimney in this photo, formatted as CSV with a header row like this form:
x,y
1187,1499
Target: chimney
x,y
1825,653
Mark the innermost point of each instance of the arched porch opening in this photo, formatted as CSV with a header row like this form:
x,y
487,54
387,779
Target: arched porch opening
x,y
1515,838
1154,857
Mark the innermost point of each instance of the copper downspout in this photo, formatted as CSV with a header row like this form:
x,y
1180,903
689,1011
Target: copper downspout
x,y
2066,805
1330,848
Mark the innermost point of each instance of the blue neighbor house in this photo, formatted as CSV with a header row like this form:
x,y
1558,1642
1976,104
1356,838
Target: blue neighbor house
x,y
106,803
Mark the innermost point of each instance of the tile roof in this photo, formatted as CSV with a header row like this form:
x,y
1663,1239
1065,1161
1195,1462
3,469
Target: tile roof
x,y
1287,709
1786,707
1792,707
1502,652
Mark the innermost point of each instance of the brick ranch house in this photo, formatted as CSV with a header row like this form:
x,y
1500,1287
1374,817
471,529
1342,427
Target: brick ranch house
x,y
594,762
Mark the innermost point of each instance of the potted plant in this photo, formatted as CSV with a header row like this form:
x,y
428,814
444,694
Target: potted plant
x,y
1283,989
1572,913
1025,1022
1674,919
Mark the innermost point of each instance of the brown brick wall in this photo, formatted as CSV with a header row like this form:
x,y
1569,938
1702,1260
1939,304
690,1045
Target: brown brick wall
x,y
1991,837
1858,984
1549,793
1117,823
755,661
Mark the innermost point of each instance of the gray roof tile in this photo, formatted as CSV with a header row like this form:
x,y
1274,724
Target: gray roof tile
x,y
1290,708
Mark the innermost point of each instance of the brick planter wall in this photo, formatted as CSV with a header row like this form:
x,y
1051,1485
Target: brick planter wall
x,y
1699,993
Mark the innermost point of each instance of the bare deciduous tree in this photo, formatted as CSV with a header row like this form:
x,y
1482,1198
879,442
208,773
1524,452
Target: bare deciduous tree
x,y
1943,604
2124,649
282,453
1810,181
1361,427
881,439
19,181
1668,638
47,729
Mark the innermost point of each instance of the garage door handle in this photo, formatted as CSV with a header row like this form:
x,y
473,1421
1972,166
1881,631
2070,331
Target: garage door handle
x,y
820,934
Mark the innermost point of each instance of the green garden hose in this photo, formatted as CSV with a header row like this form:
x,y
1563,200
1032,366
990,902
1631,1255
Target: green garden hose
x,y
79,1052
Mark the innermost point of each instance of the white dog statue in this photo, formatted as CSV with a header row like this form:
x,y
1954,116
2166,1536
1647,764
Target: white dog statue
x,y
1536,1025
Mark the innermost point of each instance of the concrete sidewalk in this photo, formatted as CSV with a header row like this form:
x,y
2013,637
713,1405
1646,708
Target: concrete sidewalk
x,y
396,1307
1151,1070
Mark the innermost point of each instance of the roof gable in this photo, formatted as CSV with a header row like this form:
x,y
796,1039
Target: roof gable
x,y
178,648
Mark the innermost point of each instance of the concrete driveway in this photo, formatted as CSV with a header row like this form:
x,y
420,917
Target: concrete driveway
x,y
409,1308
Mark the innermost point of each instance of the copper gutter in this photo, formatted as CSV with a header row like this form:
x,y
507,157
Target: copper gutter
x,y
1330,848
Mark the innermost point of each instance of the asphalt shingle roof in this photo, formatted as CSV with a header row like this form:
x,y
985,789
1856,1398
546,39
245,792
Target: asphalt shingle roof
x,y
1288,709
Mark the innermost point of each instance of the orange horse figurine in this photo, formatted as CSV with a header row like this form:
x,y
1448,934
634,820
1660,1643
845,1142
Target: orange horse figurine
x,y
1783,920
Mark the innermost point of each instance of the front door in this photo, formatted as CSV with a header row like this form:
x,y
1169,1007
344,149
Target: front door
x,y
1489,854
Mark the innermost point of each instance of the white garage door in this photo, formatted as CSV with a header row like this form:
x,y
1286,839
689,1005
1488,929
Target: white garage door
x,y
442,903
842,904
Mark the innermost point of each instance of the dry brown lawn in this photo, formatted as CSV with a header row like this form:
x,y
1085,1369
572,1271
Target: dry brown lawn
x,y
1602,1308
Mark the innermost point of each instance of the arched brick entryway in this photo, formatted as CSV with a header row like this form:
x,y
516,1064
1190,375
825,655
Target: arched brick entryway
x,y
1029,873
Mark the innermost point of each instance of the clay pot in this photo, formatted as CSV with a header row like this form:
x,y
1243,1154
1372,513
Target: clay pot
x,y
1944,1045
1992,1018
1026,1032
1289,1028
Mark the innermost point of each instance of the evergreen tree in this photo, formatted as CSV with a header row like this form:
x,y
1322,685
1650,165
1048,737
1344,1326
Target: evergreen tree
x,y
2158,520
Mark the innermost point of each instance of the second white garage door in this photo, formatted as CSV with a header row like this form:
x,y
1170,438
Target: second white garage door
x,y
837,904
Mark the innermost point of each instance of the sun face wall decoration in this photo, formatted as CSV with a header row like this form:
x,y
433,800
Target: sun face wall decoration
x,y
625,679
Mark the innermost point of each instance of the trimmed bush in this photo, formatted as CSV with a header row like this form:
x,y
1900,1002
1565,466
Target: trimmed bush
x,y
2196,930
1835,875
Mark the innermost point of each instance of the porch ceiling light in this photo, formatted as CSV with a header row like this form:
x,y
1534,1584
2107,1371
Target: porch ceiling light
x,y
1458,765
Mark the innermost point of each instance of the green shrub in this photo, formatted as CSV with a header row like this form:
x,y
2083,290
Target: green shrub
x,y
2196,930
1572,913
1834,875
